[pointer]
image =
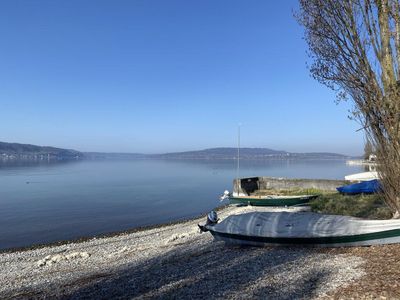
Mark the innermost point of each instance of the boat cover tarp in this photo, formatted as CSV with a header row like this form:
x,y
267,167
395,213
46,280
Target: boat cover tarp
x,y
366,187
302,224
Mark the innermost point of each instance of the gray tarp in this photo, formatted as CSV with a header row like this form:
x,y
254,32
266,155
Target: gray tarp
x,y
302,224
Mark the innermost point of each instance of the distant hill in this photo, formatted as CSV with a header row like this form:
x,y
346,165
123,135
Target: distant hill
x,y
27,151
246,153
223,153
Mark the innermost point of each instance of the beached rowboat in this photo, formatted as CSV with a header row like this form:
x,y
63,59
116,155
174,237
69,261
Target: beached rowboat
x,y
271,200
304,228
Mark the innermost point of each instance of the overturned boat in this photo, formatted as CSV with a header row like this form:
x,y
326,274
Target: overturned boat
x,y
303,228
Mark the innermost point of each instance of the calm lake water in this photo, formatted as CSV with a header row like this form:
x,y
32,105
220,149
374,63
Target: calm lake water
x,y
50,202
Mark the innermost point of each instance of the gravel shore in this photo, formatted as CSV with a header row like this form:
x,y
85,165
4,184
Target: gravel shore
x,y
176,261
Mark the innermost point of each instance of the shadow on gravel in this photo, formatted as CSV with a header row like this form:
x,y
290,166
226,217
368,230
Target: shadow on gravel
x,y
212,270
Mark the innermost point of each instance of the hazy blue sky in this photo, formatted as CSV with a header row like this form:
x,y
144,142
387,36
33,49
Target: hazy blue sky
x,y
157,76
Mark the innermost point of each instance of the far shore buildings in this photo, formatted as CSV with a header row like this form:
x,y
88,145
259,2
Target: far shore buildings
x,y
42,156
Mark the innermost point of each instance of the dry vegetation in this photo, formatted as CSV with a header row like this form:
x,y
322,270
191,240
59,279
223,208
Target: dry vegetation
x,y
290,192
362,206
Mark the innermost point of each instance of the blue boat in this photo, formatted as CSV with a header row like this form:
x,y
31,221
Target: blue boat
x,y
365,187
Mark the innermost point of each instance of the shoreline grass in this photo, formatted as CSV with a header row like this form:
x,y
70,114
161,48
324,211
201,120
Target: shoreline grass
x,y
361,206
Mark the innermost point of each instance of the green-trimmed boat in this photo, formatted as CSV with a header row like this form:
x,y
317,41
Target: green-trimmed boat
x,y
303,228
272,200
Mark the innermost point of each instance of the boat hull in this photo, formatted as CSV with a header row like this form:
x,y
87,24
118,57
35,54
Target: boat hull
x,y
304,228
290,201
390,237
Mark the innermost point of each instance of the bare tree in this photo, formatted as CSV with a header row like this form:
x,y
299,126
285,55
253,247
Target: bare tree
x,y
355,49
368,150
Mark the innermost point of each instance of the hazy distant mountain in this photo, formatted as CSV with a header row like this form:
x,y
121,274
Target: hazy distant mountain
x,y
245,153
27,151
223,153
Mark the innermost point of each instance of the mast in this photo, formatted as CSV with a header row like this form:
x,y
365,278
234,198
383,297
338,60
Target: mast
x,y
238,162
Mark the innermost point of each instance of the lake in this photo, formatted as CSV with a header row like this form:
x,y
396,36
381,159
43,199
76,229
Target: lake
x,y
48,202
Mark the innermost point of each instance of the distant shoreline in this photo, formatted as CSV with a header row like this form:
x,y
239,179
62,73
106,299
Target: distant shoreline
x,y
15,151
170,158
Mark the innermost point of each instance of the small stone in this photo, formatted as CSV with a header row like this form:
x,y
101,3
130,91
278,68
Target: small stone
x,y
57,258
84,255
172,238
72,255
41,263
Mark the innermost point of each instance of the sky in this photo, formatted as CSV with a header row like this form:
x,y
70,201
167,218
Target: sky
x,y
154,76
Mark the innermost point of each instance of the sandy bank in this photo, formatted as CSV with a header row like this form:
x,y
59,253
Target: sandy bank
x,y
175,261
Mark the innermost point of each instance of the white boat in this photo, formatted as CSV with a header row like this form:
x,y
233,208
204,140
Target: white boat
x,y
364,176
360,162
302,228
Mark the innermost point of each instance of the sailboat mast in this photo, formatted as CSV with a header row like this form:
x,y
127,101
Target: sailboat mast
x,y
238,162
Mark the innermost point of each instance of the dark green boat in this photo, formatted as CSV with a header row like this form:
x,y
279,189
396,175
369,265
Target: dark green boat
x,y
272,200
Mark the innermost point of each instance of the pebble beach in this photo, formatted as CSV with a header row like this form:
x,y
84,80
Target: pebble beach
x,y
176,261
